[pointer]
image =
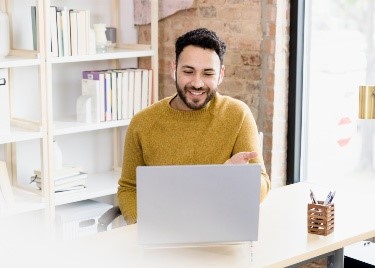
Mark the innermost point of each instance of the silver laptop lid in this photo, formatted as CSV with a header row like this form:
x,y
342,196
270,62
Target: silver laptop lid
x,y
197,204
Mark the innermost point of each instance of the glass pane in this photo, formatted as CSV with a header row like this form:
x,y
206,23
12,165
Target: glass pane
x,y
339,57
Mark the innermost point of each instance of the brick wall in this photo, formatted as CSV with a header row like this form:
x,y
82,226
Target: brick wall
x,y
255,61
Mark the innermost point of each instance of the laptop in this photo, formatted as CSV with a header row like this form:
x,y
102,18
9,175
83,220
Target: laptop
x,y
191,205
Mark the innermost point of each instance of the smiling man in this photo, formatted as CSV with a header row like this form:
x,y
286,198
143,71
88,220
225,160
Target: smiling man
x,y
195,126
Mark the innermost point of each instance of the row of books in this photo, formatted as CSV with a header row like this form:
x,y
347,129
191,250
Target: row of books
x,y
69,30
66,179
117,94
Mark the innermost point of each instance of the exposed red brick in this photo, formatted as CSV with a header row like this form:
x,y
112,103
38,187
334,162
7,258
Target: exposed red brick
x,y
251,32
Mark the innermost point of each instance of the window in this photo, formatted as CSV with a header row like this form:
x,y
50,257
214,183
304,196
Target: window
x,y
334,54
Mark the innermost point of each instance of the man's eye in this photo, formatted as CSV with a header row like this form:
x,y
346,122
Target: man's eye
x,y
209,74
188,72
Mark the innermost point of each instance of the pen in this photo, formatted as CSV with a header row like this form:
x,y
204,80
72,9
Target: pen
x,y
327,198
312,196
332,196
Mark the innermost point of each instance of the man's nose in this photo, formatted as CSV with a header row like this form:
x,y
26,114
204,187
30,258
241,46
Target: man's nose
x,y
197,82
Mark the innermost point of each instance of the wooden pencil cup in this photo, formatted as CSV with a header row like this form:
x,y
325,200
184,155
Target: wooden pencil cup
x,y
320,218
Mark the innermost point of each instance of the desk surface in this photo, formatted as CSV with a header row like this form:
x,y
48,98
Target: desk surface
x,y
283,238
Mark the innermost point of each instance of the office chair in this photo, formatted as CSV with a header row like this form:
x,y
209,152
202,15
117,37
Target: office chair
x,y
107,218
110,215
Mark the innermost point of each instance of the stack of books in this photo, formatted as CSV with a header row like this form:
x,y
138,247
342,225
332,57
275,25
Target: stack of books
x,y
116,94
68,178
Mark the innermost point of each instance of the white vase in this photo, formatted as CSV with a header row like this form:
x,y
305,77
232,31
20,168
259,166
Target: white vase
x,y
92,42
100,37
57,156
4,34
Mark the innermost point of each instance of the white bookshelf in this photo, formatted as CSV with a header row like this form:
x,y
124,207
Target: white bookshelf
x,y
24,202
55,102
98,185
117,53
17,61
18,134
70,126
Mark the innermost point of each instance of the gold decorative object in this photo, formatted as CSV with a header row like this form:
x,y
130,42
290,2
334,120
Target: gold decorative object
x,y
366,102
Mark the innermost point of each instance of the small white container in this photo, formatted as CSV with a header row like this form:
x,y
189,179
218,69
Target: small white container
x,y
100,37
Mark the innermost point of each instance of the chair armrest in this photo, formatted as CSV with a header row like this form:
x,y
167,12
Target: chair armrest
x,y
107,218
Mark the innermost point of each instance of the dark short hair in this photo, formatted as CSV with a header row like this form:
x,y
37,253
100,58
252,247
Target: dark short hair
x,y
202,38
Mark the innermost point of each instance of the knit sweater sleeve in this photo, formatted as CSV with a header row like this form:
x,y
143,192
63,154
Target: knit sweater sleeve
x,y
126,193
248,140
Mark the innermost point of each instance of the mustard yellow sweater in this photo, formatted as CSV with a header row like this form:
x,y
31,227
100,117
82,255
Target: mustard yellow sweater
x,y
161,135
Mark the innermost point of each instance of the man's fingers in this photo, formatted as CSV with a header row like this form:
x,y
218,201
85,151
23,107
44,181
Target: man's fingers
x,y
250,155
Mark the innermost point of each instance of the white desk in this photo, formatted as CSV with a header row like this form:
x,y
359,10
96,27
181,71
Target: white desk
x,y
283,238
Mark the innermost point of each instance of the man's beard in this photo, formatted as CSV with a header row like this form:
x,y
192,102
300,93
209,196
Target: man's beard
x,y
194,106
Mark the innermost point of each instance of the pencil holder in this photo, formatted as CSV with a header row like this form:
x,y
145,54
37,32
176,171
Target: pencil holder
x,y
320,218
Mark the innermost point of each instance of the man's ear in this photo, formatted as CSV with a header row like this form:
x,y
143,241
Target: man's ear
x,y
173,70
221,75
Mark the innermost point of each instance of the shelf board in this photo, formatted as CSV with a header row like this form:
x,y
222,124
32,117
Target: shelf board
x,y
17,61
97,185
17,134
116,53
24,202
69,126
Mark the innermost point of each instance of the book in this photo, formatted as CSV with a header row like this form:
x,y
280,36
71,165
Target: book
x,y
60,43
125,94
131,93
5,186
71,189
73,32
82,32
53,32
82,176
65,29
93,85
65,171
150,95
137,95
114,95
108,96
33,27
119,94
99,78
87,30
145,89
69,181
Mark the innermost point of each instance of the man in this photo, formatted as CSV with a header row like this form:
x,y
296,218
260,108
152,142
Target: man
x,y
195,126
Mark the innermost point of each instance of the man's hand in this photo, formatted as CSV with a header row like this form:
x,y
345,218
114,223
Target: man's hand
x,y
241,158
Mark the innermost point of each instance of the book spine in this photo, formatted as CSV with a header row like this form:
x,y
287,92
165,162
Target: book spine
x,y
65,29
73,32
125,94
53,32
145,89
114,95
137,90
33,26
119,95
60,34
91,86
108,96
131,94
